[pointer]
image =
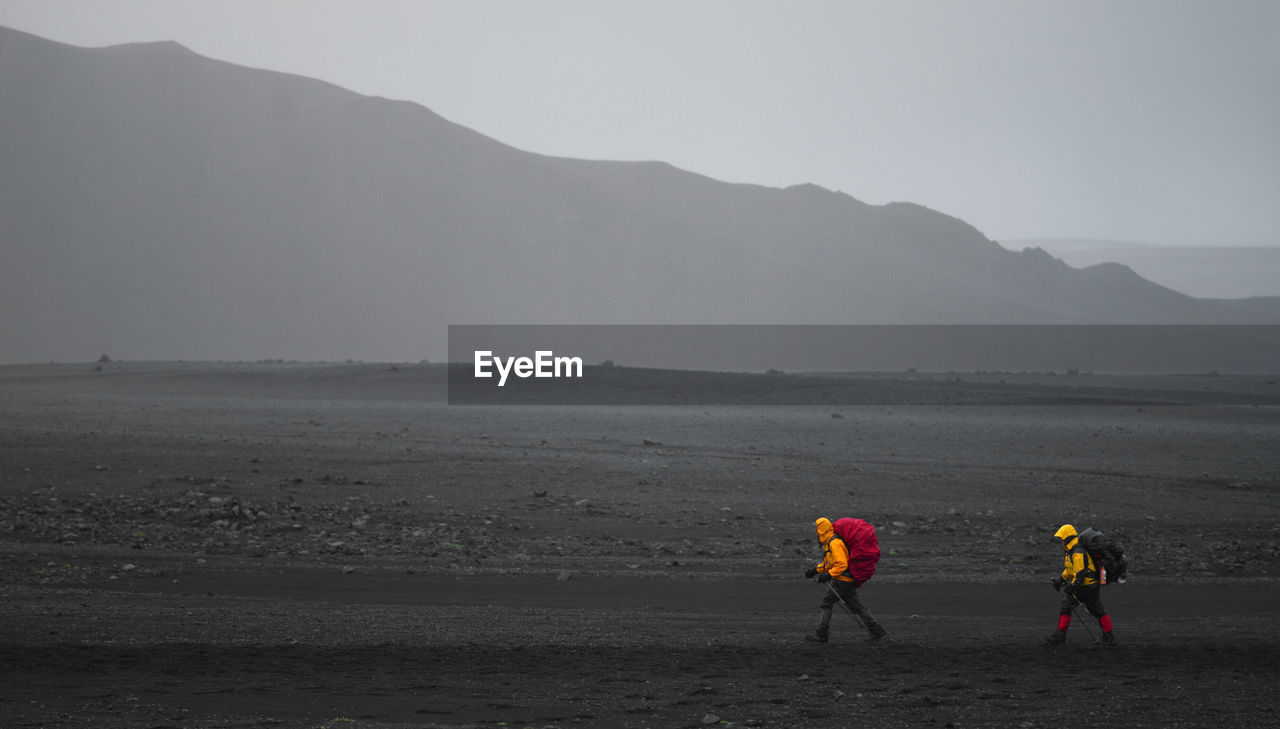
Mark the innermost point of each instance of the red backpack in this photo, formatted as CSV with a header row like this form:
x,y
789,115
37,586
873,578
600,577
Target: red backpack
x,y
859,538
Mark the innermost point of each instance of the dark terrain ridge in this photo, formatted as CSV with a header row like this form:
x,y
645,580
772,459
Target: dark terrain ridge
x,y
159,204
244,545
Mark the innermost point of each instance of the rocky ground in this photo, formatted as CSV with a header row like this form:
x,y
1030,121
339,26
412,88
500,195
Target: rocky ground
x,y
217,545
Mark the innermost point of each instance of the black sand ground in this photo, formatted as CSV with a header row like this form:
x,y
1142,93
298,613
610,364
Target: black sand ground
x,y
212,545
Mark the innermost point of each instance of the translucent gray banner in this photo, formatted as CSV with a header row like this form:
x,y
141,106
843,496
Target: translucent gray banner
x,y
777,364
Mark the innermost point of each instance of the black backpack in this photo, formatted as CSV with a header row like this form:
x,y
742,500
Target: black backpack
x,y
1107,554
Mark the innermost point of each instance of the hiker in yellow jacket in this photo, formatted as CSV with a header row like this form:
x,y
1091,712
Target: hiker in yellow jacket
x,y
1079,584
843,569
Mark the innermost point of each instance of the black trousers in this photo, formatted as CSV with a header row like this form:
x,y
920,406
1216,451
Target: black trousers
x,y
847,592
1088,595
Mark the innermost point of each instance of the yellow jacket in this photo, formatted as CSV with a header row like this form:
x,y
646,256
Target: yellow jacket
x,y
1078,568
835,555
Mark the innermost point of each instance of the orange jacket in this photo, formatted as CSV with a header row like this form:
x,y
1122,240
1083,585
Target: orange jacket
x,y
835,555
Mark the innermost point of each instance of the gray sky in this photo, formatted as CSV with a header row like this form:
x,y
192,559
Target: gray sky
x,y
1151,121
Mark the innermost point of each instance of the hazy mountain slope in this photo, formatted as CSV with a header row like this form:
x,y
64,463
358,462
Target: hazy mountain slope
x,y
155,203
1219,271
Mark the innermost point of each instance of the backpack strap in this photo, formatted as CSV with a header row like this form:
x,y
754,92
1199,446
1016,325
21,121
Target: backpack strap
x,y
1090,568
848,557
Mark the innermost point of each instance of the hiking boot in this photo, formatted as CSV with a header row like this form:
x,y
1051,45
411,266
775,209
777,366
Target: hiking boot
x,y
1058,637
816,637
877,632
1108,638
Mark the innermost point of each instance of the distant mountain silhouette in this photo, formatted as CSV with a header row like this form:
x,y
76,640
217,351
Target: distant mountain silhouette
x,y
1217,271
156,203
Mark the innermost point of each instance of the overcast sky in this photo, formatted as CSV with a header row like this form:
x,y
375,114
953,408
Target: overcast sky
x,y
1147,121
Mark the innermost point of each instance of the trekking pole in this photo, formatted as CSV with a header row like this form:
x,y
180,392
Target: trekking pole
x,y
1076,611
845,605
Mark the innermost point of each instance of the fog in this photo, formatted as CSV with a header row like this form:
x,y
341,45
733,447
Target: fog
x,y
320,181
1147,121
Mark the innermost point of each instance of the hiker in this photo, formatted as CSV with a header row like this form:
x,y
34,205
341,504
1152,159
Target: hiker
x,y
850,553
1079,584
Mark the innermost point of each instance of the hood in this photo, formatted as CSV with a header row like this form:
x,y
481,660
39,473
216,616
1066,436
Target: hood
x,y
1067,534
825,532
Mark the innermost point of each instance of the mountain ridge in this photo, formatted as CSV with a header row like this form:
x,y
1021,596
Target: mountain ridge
x,y
161,204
